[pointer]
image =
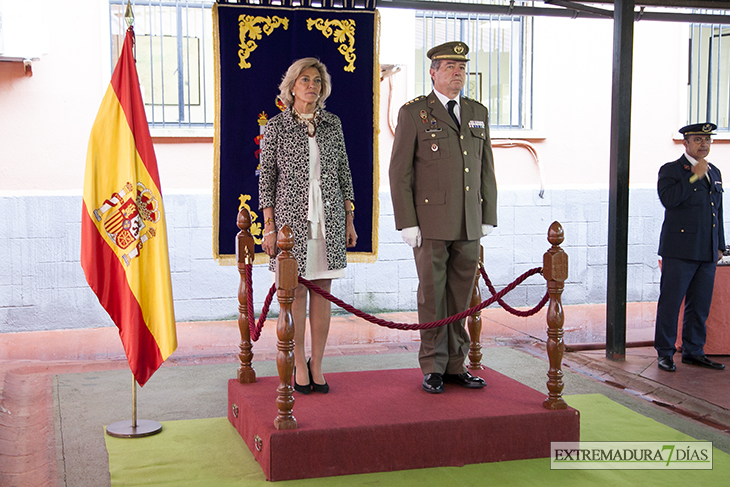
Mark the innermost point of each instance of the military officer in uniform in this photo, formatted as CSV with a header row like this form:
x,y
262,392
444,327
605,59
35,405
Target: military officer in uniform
x,y
444,196
691,242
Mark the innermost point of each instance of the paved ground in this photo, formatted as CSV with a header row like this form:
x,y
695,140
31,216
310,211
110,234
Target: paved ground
x,y
59,389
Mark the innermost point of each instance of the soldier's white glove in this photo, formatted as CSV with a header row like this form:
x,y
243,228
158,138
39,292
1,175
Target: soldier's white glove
x,y
411,236
486,229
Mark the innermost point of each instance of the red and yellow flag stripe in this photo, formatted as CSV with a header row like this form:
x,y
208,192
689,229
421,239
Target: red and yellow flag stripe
x,y
124,250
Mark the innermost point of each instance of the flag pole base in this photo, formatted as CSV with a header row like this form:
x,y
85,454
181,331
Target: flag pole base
x,y
124,429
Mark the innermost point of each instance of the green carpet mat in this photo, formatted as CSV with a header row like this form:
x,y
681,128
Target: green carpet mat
x,y
210,452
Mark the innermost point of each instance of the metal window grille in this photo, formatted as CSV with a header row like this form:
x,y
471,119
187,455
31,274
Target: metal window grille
x,y
709,76
174,53
499,71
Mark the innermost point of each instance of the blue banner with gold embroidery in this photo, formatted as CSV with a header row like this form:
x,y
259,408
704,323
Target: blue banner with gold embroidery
x,y
255,44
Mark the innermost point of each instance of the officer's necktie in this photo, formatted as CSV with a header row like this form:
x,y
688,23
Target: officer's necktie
x,y
450,105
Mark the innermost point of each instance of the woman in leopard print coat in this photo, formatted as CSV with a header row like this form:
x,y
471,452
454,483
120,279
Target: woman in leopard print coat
x,y
305,182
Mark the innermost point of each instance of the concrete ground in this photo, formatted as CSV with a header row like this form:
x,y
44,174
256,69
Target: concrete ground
x,y
61,388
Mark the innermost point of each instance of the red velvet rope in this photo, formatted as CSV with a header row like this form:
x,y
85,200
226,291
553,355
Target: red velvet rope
x,y
249,302
264,311
509,308
496,297
418,326
255,328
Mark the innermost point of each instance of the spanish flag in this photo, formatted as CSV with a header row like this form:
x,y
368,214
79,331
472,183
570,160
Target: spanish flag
x,y
123,230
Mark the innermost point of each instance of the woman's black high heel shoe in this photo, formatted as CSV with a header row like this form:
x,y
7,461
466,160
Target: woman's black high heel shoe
x,y
322,388
302,389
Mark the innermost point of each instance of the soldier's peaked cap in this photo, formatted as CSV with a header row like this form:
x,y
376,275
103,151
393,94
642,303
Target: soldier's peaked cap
x,y
699,129
455,51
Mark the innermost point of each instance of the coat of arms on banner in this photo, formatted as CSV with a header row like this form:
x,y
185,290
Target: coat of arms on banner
x,y
125,214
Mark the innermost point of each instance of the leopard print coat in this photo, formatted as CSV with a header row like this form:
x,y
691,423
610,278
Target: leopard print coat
x,y
284,182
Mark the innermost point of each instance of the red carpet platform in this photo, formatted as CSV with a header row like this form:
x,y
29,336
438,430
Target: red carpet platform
x,y
377,421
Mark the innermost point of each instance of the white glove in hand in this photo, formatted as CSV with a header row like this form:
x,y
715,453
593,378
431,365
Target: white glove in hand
x,y
486,229
411,236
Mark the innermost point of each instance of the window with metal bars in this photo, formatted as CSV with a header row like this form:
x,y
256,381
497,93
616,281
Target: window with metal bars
x,y
499,71
709,75
174,53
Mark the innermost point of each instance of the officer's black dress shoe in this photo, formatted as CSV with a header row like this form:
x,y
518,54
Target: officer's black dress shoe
x,y
702,361
433,383
465,380
666,364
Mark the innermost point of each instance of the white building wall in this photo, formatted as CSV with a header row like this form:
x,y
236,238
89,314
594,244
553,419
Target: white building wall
x,y
45,121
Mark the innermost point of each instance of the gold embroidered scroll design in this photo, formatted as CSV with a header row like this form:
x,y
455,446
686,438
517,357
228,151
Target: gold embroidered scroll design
x,y
255,229
247,27
344,35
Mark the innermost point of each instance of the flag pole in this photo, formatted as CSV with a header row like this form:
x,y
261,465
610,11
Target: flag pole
x,y
134,402
135,428
143,427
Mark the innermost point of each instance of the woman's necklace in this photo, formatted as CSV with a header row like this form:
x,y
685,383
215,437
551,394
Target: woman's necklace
x,y
309,120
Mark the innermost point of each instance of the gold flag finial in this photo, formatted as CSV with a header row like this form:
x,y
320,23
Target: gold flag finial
x,y
129,14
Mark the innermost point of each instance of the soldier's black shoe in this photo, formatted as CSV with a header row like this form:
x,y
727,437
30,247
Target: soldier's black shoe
x,y
465,380
666,364
433,383
702,361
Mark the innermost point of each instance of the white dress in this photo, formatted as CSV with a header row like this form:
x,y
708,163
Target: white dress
x,y
316,246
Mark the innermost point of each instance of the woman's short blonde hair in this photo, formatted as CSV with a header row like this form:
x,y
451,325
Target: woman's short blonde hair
x,y
293,73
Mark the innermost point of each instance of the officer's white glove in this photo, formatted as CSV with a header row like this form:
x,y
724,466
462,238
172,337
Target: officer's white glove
x,y
411,236
486,229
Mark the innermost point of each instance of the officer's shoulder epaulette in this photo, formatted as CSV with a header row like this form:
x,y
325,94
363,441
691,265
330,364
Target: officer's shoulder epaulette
x,y
418,98
472,100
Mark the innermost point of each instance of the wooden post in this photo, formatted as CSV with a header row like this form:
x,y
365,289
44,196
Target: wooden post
x,y
244,256
555,271
286,284
474,322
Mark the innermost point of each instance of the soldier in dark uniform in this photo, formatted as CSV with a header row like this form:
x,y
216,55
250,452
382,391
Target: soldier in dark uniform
x,y
691,243
445,199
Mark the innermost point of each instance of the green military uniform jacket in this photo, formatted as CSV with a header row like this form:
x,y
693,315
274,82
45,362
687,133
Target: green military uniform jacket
x,y
442,178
